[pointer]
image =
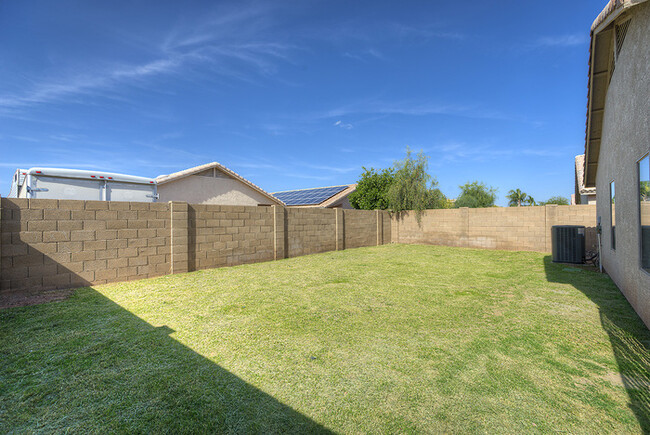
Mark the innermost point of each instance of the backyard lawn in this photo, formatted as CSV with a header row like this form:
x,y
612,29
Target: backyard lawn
x,y
396,338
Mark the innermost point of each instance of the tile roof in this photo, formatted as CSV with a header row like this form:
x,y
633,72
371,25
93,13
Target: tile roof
x,y
597,82
580,169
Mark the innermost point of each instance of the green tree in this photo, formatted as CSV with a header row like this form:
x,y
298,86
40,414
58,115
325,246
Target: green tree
x,y
476,195
372,189
437,199
412,187
559,200
516,198
530,201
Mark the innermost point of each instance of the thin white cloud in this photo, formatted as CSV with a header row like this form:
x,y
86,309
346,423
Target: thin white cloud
x,y
560,41
25,138
343,125
374,32
232,44
222,24
46,163
334,169
309,176
82,85
412,108
460,151
365,55
368,110
252,165
427,32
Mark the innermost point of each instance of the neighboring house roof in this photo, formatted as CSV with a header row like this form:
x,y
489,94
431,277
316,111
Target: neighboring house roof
x,y
318,196
601,66
162,179
580,179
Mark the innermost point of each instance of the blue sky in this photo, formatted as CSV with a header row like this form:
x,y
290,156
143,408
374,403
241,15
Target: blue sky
x,y
298,94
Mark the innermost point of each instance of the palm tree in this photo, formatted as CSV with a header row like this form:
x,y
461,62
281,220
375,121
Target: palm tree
x,y
530,200
645,190
516,198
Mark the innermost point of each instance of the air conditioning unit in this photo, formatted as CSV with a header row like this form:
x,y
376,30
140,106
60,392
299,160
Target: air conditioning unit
x,y
568,243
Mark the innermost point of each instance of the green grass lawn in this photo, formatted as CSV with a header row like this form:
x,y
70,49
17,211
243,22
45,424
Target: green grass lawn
x,y
396,338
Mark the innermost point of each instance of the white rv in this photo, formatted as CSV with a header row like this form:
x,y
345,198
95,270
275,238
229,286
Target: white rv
x,y
56,183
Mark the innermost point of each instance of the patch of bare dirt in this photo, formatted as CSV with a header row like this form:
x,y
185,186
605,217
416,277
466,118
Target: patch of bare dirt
x,y
626,381
13,300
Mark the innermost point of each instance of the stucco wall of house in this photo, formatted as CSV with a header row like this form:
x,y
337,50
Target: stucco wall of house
x,y
197,189
343,203
587,199
625,140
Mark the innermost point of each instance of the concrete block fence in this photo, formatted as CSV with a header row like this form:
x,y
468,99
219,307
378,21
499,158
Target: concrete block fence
x,y
511,228
56,244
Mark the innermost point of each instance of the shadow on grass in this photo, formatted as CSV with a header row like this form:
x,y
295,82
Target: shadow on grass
x,y
629,337
88,365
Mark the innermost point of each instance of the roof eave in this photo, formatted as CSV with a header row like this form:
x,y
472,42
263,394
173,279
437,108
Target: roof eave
x,y
163,179
339,196
602,23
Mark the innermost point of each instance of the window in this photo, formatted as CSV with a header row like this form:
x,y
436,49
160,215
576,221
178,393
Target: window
x,y
612,211
644,211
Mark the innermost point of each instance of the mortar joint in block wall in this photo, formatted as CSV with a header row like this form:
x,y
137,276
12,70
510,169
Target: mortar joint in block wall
x,y
179,217
339,229
279,232
379,218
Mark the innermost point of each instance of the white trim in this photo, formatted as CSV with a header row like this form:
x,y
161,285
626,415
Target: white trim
x,y
86,175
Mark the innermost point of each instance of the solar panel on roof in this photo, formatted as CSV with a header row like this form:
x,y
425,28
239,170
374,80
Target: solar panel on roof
x,y
308,196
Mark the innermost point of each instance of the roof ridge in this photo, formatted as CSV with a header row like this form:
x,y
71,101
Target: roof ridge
x,y
196,169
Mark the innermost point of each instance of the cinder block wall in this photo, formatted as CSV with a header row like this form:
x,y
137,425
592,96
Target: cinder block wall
x,y
229,235
437,227
56,244
359,230
310,231
49,244
511,228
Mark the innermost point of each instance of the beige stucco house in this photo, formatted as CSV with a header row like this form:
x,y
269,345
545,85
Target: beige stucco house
x,y
323,197
212,183
618,144
582,195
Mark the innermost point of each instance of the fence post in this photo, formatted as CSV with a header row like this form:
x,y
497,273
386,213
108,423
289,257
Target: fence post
x,y
464,213
394,228
279,236
340,229
179,237
549,220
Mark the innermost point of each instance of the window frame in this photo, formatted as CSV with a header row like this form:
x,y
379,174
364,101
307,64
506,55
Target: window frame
x,y
612,215
638,195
